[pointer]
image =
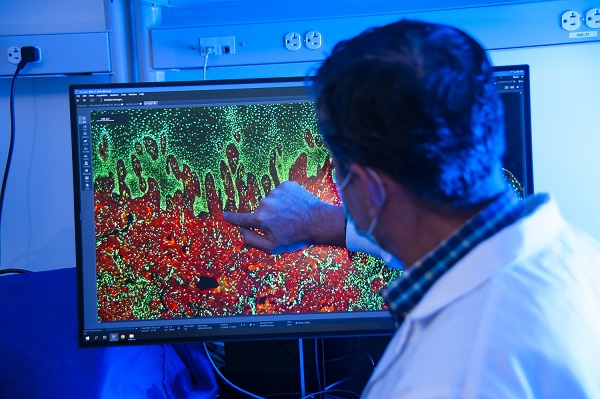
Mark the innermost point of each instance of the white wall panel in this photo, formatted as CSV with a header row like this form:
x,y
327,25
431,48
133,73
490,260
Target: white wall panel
x,y
66,53
262,43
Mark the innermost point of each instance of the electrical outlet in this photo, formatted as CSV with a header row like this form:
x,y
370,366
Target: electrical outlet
x,y
13,53
292,41
222,45
592,18
570,20
313,40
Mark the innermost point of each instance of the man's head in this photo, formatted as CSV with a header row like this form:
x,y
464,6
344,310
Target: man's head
x,y
417,101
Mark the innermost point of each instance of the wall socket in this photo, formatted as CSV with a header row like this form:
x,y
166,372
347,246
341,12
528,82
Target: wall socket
x,y
13,54
292,41
313,40
592,18
570,20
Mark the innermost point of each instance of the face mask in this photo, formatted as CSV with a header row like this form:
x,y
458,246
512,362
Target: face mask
x,y
391,261
372,247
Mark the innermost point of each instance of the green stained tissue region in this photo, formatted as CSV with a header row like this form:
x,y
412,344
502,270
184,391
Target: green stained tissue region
x,y
198,137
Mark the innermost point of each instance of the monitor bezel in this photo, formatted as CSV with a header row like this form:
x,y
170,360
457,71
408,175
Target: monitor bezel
x,y
384,323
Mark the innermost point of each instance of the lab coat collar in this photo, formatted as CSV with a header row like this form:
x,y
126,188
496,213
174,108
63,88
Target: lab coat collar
x,y
514,241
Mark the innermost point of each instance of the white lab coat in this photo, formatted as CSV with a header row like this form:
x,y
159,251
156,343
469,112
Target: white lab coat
x,y
517,317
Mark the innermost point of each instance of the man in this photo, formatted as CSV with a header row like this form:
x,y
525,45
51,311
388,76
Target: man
x,y
500,297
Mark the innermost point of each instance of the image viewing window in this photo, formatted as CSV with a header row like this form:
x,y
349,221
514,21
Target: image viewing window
x,y
162,178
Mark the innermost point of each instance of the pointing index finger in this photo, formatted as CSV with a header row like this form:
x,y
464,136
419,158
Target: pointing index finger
x,y
246,220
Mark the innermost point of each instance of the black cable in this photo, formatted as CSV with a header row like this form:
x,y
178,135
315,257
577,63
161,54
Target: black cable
x,y
11,145
333,391
225,380
327,391
330,387
318,362
273,392
367,354
16,271
28,54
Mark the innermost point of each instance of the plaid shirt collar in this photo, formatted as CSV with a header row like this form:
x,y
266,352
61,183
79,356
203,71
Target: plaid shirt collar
x,y
405,292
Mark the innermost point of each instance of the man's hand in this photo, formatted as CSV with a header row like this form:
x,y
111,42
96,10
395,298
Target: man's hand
x,y
290,218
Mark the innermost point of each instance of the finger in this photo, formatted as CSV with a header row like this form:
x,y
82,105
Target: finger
x,y
256,240
246,220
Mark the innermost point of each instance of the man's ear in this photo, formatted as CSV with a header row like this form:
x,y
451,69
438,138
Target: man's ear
x,y
370,186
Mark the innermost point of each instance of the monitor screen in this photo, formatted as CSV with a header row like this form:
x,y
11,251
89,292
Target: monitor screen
x,y
156,164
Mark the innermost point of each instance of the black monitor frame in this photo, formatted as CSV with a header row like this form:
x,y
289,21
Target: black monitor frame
x,y
86,101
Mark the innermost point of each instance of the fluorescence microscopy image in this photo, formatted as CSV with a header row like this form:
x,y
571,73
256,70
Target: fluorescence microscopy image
x,y
163,177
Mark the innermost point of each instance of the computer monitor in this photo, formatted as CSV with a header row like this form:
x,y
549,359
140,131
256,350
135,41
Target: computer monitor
x,y
156,164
